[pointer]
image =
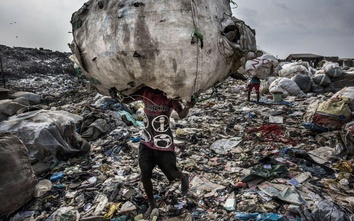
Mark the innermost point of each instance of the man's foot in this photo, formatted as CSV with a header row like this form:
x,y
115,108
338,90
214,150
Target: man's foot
x,y
148,212
154,214
185,184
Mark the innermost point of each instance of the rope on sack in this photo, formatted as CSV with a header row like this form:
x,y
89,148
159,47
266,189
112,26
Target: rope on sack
x,y
323,78
335,72
197,35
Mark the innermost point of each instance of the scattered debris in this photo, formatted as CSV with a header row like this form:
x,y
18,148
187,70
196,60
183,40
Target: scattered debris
x,y
246,161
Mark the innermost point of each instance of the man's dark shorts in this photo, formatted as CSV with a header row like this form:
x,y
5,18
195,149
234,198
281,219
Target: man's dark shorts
x,y
149,158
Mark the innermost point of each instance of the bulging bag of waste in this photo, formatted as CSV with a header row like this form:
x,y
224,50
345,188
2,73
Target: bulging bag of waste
x,y
330,115
321,79
303,81
17,179
262,66
179,47
285,86
348,93
337,107
289,70
333,70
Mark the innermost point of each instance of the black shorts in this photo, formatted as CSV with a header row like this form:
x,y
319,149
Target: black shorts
x,y
166,160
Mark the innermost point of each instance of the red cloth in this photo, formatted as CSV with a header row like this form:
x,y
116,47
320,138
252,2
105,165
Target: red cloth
x,y
272,133
253,85
327,121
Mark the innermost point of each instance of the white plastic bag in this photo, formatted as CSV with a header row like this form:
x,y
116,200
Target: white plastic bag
x,y
46,132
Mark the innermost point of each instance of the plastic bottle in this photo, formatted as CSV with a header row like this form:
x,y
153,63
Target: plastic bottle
x,y
57,176
230,202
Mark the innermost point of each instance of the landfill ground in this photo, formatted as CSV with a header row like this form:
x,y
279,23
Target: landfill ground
x,y
246,161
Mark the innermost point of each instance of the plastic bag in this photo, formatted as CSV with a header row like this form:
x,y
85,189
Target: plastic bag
x,y
337,108
46,133
223,146
321,79
303,81
327,210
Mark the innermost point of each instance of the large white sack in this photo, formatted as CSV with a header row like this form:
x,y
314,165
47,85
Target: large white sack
x,y
275,87
125,44
285,86
291,69
262,66
333,70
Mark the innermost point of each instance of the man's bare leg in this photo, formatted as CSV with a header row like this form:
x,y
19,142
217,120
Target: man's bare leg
x,y
184,178
149,193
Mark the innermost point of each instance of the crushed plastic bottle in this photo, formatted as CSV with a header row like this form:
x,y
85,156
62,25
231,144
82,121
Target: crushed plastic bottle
x,y
230,202
57,176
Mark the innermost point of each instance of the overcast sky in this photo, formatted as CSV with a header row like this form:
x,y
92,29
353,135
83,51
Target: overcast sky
x,y
324,27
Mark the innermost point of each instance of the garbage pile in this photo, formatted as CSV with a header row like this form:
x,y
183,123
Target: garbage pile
x,y
70,153
297,78
314,80
245,161
19,61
